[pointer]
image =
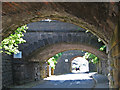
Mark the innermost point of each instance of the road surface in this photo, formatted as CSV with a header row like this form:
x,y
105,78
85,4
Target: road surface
x,y
73,80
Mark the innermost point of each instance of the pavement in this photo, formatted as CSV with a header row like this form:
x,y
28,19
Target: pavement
x,y
101,81
73,80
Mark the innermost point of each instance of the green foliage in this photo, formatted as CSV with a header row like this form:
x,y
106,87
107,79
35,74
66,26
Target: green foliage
x,y
91,57
53,60
99,40
10,44
102,48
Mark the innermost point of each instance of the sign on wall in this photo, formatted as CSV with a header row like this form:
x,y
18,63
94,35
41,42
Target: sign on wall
x,y
18,55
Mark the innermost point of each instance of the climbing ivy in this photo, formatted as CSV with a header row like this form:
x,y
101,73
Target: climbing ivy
x,y
102,48
93,58
10,44
53,60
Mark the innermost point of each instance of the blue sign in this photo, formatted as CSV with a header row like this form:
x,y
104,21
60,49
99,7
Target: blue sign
x,y
18,55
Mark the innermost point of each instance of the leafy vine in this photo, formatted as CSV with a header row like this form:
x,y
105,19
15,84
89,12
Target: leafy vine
x,y
10,44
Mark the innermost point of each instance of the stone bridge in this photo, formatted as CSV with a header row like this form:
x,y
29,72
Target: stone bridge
x,y
63,67
102,19
45,39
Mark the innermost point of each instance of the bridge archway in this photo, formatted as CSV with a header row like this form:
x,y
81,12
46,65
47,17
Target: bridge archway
x,y
94,21
58,37
43,43
102,21
61,47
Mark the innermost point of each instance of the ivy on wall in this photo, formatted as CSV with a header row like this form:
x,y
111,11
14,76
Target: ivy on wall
x,y
53,60
10,44
93,58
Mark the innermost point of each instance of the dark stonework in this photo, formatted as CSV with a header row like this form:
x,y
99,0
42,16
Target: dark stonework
x,y
102,67
25,72
113,56
100,18
63,67
69,33
7,72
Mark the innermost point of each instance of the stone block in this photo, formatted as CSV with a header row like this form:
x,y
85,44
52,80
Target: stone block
x,y
74,38
64,38
50,40
69,37
41,43
60,38
115,76
79,38
114,40
55,39
45,41
43,36
116,64
115,51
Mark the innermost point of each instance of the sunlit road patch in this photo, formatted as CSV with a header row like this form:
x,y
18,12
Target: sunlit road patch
x,y
82,80
82,76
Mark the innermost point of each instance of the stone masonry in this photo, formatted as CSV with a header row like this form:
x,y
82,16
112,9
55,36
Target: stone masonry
x,y
56,32
63,67
39,38
102,19
24,72
114,57
7,76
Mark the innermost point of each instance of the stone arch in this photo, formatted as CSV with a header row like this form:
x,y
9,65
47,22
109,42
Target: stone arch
x,y
43,43
92,67
58,37
104,16
75,57
94,21
45,53
62,66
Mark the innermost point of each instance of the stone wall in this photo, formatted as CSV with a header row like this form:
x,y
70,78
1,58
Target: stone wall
x,y
102,67
7,76
63,67
25,71
92,67
0,40
43,70
39,37
114,57
101,19
0,71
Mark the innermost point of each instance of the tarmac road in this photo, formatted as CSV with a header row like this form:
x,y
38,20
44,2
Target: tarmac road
x,y
73,80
